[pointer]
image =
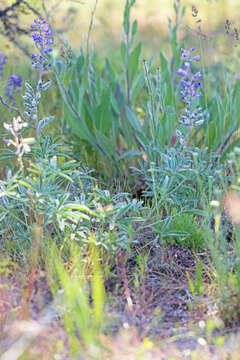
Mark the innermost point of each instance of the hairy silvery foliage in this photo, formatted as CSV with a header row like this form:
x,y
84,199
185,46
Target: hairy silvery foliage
x,y
183,179
62,194
43,191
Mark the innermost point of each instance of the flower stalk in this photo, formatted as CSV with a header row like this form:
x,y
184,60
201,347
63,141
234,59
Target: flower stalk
x,y
190,95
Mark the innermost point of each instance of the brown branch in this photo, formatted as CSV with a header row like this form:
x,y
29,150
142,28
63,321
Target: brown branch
x,y
4,12
32,9
9,20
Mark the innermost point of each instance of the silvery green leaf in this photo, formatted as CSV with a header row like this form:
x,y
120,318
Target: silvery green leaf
x,y
178,133
199,122
26,97
27,114
28,106
38,96
53,162
45,121
29,87
46,86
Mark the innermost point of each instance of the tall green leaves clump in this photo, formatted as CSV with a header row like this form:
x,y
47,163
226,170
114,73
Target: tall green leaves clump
x,y
102,103
130,55
97,101
220,131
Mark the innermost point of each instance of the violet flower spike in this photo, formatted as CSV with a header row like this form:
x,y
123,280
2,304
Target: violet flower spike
x,y
190,93
14,83
42,38
3,61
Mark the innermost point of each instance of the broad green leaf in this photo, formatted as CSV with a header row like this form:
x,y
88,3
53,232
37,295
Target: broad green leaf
x,y
134,62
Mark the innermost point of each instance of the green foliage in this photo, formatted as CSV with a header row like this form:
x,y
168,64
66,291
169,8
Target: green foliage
x,y
101,102
64,194
121,118
97,107
83,321
226,254
220,133
180,179
183,229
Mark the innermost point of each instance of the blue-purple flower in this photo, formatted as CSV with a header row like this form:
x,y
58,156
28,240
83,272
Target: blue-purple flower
x,y
3,61
182,72
198,75
14,83
42,38
190,90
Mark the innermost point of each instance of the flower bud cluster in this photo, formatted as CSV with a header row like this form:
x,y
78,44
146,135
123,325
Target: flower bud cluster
x,y
42,38
190,90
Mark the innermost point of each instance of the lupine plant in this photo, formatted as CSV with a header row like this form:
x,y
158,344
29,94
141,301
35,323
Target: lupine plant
x,y
85,227
190,94
52,190
42,37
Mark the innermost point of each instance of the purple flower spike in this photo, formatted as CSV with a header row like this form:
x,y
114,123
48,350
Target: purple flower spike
x,y
14,83
190,90
181,72
42,38
3,61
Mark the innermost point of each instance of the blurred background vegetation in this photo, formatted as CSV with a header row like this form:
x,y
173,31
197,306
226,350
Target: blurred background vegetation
x,y
72,17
